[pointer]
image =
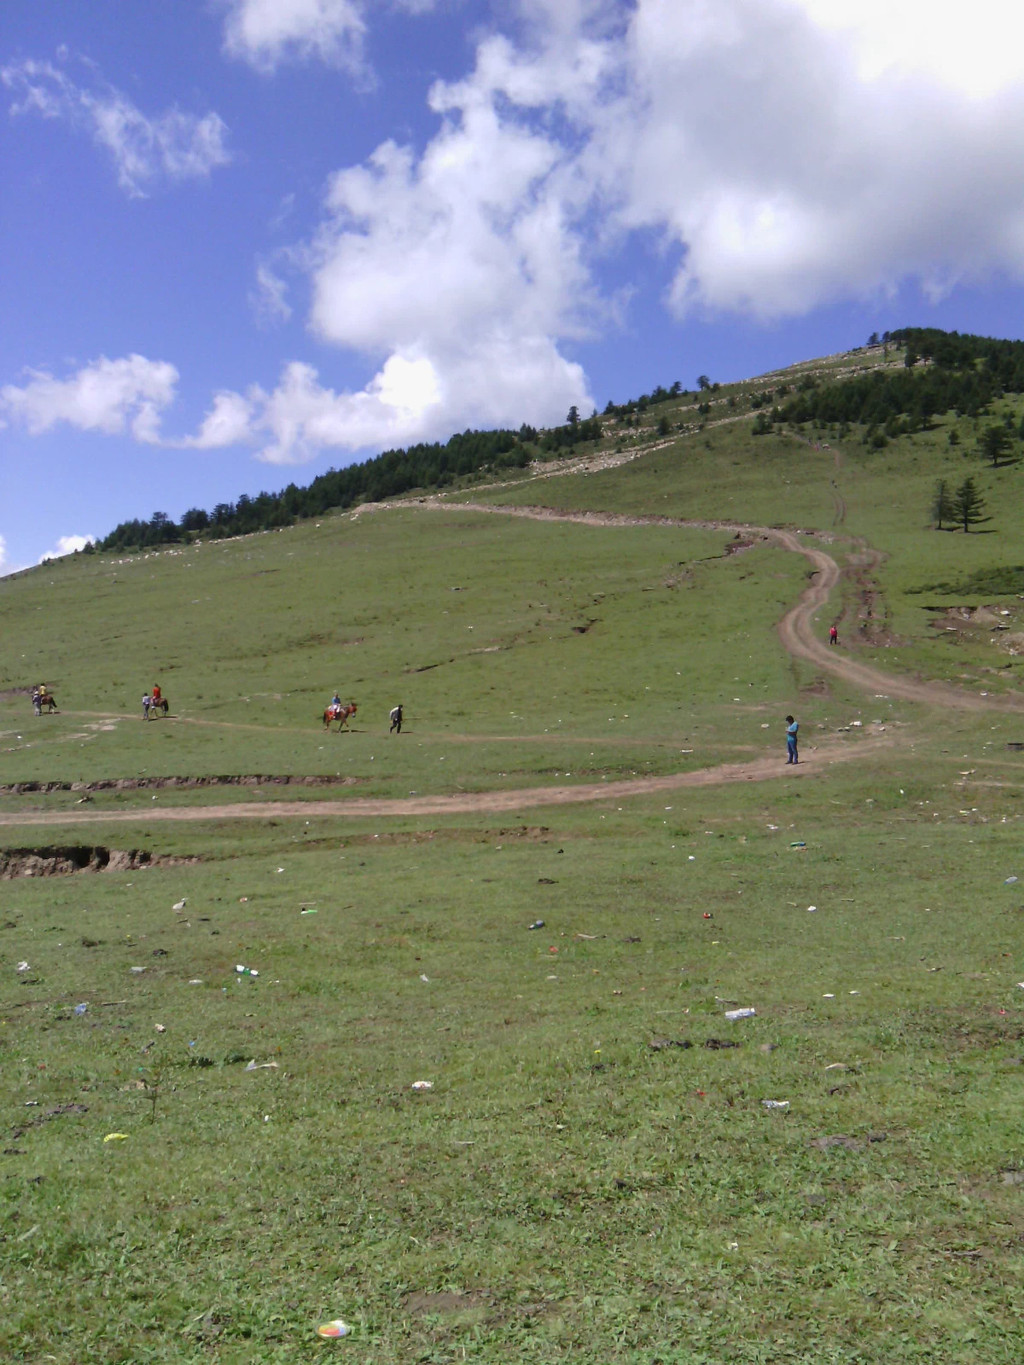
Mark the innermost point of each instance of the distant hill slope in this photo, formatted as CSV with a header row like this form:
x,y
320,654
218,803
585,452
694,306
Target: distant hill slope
x,y
635,617
432,466
923,373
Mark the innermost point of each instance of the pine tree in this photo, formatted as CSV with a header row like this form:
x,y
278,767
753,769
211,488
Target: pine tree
x,y
942,506
968,504
994,440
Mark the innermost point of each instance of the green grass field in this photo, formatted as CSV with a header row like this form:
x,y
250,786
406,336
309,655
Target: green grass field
x,y
594,1173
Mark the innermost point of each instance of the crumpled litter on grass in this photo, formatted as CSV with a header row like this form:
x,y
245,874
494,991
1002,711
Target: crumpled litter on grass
x,y
334,1329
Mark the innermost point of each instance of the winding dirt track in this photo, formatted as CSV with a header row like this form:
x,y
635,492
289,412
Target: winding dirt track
x,y
494,803
797,628
796,631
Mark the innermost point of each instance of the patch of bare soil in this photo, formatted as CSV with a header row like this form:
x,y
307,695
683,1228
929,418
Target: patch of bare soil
x,y
818,688
872,610
63,860
976,625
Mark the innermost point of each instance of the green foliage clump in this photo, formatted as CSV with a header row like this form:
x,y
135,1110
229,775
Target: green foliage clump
x,y
657,395
762,424
571,434
963,374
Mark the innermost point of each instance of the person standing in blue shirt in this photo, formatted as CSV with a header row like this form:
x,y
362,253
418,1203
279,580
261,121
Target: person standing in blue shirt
x,y
792,726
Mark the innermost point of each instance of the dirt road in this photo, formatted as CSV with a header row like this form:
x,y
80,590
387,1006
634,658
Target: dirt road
x,y
801,639
494,803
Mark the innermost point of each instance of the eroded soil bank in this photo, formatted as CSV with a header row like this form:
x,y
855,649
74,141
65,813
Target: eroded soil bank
x,y
53,860
130,784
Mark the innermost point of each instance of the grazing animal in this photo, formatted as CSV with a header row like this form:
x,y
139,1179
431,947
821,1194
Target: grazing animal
x,y
342,714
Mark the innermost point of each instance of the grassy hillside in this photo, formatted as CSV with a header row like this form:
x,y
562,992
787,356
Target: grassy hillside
x,y
594,1172
481,628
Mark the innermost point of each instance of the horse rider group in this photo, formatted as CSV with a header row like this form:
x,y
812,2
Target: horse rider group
x,y
154,700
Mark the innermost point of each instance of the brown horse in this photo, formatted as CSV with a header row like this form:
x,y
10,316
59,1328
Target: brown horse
x,y
159,704
47,700
342,715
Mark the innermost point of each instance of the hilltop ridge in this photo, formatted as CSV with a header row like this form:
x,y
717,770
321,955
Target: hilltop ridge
x,y
894,396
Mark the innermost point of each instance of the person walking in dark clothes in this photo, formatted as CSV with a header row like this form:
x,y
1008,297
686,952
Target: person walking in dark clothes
x,y
396,719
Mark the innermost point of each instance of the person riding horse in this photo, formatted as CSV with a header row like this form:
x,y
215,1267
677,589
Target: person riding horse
x,y
342,713
40,698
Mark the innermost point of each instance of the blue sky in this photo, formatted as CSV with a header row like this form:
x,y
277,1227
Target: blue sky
x,y
244,241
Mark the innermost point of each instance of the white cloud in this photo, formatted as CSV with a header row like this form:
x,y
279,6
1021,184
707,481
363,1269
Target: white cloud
x,y
929,37
784,153
269,297
413,397
268,32
785,176
416,398
303,419
228,423
107,395
462,269
145,149
67,545
779,154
